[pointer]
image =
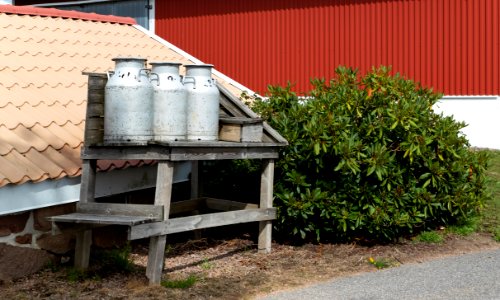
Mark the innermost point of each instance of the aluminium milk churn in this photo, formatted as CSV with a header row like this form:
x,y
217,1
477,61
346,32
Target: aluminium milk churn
x,y
169,102
203,103
128,103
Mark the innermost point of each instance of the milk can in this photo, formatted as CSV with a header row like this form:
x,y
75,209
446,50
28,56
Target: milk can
x,y
169,102
203,103
128,103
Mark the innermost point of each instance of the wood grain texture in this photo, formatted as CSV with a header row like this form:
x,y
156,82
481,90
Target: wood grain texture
x,y
82,249
153,212
183,224
87,187
163,196
266,201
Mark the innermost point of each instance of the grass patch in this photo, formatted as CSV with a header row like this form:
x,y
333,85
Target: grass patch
x,y
180,284
465,227
431,237
76,275
103,263
490,217
114,260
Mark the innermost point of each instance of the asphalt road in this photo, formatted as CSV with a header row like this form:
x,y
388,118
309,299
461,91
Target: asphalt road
x,y
470,276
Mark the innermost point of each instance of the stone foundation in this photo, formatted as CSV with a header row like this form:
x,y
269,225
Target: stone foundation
x,y
26,229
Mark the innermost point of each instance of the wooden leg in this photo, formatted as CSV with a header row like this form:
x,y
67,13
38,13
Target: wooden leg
x,y
87,187
157,243
266,201
156,258
87,194
195,180
82,249
195,192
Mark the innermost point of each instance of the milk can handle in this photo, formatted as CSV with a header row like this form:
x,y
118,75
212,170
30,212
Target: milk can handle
x,y
139,75
157,78
184,81
110,73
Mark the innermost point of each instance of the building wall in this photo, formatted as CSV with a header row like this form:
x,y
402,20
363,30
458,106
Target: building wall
x,y
451,45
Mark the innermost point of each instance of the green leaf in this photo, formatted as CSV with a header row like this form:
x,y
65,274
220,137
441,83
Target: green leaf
x,y
316,148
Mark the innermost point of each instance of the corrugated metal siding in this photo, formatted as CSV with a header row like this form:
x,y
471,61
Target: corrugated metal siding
x,y
451,45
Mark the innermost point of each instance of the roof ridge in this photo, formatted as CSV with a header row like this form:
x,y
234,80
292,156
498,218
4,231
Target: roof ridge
x,y
70,14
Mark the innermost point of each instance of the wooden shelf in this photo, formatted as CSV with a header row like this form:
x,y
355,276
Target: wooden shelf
x,y
82,218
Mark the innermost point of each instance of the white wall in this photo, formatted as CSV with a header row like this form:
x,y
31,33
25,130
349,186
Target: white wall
x,y
481,113
28,196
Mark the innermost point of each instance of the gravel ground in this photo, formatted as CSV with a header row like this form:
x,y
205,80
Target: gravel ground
x,y
471,276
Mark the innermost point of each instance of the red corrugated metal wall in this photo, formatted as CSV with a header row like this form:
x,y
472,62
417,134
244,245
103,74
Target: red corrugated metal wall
x,y
451,45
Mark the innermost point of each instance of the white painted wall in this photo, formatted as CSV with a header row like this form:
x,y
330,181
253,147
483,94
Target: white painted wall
x,y
28,196
481,113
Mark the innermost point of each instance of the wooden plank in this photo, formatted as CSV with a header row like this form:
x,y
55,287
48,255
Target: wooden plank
x,y
266,201
213,144
201,221
240,106
273,133
178,154
73,228
94,120
228,205
186,206
239,120
154,212
126,152
163,196
252,133
226,105
85,218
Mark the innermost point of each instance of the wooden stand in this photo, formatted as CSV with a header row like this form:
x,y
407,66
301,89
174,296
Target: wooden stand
x,y
153,221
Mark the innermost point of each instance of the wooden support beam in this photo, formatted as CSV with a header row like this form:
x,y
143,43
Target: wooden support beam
x,y
82,249
87,194
195,179
266,201
227,205
87,187
186,206
201,221
163,196
182,154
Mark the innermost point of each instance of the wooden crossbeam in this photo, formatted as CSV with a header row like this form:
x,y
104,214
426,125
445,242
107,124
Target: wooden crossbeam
x,y
200,221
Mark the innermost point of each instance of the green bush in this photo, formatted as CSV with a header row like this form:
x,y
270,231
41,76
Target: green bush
x,y
368,158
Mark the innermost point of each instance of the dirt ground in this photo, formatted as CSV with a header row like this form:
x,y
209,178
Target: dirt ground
x,y
232,268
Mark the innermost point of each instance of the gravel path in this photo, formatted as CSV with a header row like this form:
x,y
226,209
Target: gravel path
x,y
471,276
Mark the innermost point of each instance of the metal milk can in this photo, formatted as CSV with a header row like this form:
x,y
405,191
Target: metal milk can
x,y
169,102
203,103
128,103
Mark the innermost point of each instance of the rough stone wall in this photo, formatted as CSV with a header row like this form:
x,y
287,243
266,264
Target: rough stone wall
x,y
32,230
27,244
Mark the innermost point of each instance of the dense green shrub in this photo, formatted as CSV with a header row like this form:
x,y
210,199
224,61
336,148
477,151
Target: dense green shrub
x,y
368,158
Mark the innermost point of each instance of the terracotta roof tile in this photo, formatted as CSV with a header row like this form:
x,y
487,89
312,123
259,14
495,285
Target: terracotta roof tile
x,y
43,92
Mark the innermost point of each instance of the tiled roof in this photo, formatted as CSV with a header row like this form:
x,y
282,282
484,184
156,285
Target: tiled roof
x,y
43,93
